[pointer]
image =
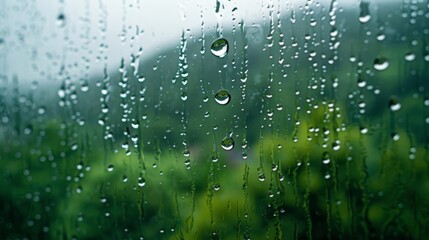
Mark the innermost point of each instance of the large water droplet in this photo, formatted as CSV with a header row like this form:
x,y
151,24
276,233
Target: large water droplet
x,y
219,47
227,143
222,97
381,64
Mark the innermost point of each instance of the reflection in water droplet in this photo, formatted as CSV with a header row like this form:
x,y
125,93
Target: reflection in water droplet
x,y
222,97
227,143
381,64
219,47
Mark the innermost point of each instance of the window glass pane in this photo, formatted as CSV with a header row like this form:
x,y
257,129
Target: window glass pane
x,y
190,119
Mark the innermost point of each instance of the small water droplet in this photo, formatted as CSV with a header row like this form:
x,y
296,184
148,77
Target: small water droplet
x,y
227,143
327,176
325,158
381,64
184,96
394,104
381,37
219,47
41,110
395,136
186,153
223,97
410,57
74,147
336,145
216,187
110,168
124,178
141,181
61,20
364,15
363,130
261,177
79,166
274,167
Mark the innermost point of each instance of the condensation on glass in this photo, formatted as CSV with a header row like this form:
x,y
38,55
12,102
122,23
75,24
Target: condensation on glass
x,y
214,119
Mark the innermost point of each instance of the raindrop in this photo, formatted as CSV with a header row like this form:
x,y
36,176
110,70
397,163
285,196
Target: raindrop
x,y
61,20
325,158
74,147
336,145
124,178
395,136
219,47
394,104
274,167
186,153
184,96
222,97
364,15
261,177
141,181
227,143
28,129
410,57
110,168
381,37
363,130
216,187
79,166
381,64
41,110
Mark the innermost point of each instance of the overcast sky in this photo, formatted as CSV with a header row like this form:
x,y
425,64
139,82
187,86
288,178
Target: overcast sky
x,y
38,36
